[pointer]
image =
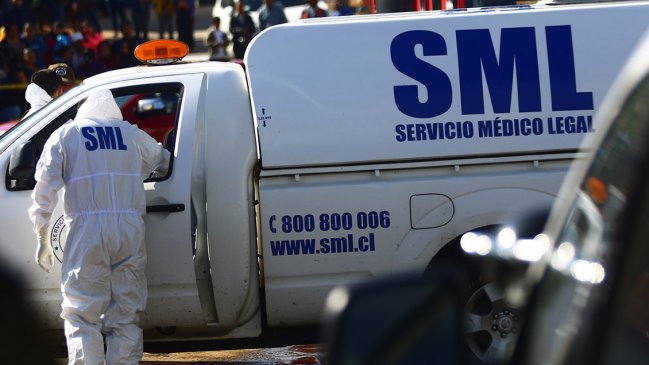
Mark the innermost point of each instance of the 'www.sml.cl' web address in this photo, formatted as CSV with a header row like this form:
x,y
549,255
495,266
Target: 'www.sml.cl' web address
x,y
347,244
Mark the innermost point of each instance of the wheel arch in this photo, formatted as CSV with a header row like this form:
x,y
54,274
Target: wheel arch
x,y
526,225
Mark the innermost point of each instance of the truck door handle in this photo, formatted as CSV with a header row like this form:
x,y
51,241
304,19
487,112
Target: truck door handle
x,y
169,208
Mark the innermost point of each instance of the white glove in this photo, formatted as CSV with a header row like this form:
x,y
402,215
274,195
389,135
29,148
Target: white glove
x,y
44,253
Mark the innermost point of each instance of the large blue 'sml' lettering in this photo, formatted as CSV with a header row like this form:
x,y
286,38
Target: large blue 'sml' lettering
x,y
517,49
436,82
477,57
563,81
104,138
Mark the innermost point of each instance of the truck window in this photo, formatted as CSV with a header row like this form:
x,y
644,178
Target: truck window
x,y
153,112
153,108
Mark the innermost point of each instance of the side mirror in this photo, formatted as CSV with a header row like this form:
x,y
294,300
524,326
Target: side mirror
x,y
411,319
150,106
22,165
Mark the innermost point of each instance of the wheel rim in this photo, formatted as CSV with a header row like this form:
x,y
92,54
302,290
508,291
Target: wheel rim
x,y
491,325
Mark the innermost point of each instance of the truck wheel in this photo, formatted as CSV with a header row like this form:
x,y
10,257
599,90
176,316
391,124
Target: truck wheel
x,y
491,325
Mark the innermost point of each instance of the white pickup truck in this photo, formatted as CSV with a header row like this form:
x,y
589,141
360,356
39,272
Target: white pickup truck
x,y
347,149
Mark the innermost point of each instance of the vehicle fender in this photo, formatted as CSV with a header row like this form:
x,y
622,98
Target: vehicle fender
x,y
230,158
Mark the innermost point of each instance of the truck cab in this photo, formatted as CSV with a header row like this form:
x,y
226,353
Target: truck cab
x,y
160,101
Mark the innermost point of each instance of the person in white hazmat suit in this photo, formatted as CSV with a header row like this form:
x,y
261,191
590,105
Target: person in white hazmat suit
x,y
100,161
45,86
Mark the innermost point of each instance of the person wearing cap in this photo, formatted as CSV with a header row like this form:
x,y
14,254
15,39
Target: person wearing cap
x,y
44,87
66,73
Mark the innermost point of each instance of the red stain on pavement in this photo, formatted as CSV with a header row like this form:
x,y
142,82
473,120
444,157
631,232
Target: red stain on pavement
x,y
290,355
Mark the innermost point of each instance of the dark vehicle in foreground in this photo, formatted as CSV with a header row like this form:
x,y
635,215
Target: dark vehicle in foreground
x,y
587,296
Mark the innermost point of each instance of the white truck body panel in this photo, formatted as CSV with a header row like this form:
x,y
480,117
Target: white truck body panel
x,y
375,89
334,152
379,222
296,181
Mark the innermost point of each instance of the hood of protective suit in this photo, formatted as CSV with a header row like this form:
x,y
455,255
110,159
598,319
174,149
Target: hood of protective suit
x,y
36,96
100,105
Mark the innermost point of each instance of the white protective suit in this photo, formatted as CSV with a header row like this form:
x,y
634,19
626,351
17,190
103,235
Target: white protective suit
x,y
101,162
36,97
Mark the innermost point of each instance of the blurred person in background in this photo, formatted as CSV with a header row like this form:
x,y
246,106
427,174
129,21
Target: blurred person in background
x,y
124,54
62,36
342,8
141,13
71,15
12,45
32,39
124,46
91,36
217,41
11,97
105,56
78,50
90,66
18,14
29,64
117,14
271,13
242,28
87,13
47,32
41,11
164,10
312,10
185,20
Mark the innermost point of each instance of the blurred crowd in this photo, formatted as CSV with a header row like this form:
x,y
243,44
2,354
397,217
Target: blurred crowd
x,y
35,34
242,28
